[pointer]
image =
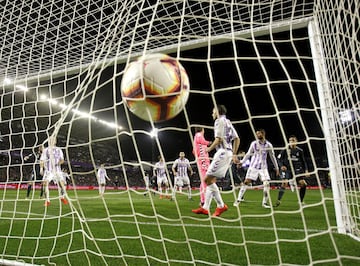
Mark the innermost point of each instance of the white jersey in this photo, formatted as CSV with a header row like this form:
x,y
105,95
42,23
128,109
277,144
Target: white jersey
x,y
224,130
52,156
182,166
259,152
160,169
160,172
102,176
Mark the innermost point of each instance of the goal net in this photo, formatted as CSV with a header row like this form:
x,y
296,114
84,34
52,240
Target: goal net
x,y
289,67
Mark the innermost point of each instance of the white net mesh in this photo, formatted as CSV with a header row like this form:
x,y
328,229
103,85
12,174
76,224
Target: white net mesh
x,y
61,69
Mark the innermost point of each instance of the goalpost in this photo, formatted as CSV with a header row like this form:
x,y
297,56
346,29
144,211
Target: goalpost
x,y
343,216
340,103
290,67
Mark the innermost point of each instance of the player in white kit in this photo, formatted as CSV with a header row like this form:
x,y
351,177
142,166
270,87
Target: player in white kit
x,y
51,159
258,151
147,182
101,178
180,170
161,177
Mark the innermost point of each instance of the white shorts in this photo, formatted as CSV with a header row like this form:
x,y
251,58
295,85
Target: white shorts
x,y
182,180
63,179
162,180
50,176
102,181
254,174
220,163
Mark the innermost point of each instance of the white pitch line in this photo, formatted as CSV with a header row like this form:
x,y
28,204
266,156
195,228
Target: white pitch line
x,y
116,220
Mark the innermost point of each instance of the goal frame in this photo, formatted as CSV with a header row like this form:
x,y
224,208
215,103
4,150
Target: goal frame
x,y
343,220
275,27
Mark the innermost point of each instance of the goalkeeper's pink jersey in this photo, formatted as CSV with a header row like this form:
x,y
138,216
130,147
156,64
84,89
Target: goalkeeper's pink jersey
x,y
200,145
200,153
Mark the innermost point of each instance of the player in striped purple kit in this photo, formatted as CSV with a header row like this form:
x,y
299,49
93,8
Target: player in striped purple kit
x,y
180,170
51,160
161,177
258,151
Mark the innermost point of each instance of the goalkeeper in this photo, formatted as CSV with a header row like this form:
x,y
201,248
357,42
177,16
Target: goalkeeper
x,y
202,159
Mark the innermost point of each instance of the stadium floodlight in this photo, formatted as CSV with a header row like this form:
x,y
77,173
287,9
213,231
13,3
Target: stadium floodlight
x,y
22,87
346,116
80,113
7,81
109,124
43,97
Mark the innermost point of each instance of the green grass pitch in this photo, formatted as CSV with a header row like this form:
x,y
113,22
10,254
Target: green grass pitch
x,y
128,228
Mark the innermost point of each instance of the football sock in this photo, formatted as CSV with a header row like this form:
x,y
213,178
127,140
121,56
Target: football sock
x,y
302,193
47,193
266,192
216,193
174,191
63,190
189,191
208,197
242,192
292,185
202,191
28,190
41,190
281,193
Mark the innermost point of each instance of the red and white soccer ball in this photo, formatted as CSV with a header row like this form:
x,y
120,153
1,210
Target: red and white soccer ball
x,y
155,87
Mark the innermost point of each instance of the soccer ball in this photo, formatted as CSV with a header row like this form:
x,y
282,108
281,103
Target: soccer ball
x,y
155,87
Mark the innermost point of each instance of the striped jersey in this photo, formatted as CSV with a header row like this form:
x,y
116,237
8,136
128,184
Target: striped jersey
x,y
102,173
258,151
52,156
182,166
224,130
160,169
